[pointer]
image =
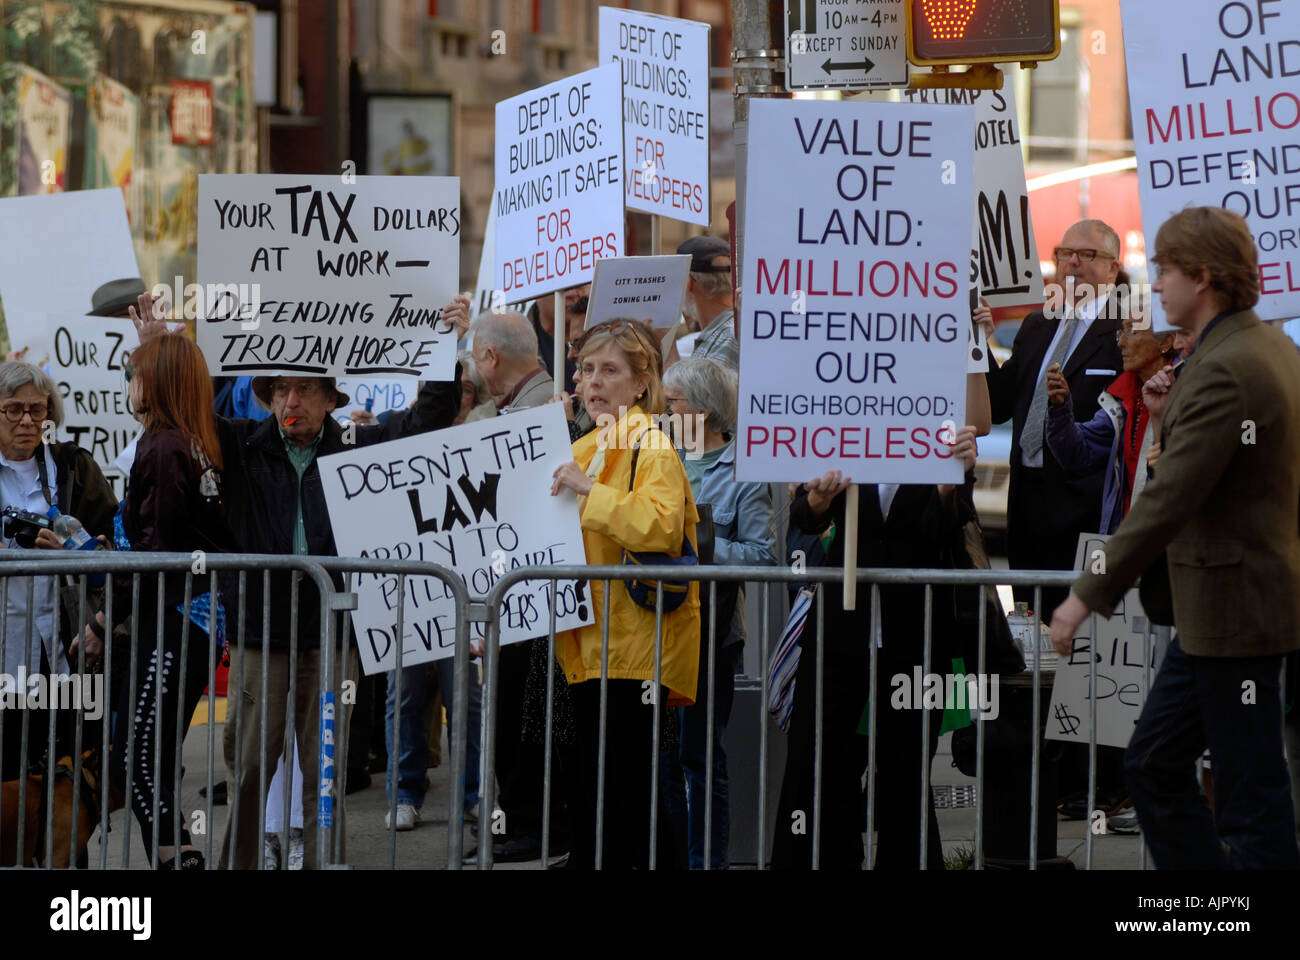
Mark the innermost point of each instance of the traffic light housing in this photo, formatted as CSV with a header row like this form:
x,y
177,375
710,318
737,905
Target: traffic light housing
x,y
942,32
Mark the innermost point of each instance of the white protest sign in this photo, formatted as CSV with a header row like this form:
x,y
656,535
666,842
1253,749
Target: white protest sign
x,y
383,395
1215,98
314,275
1118,650
643,288
87,362
559,183
61,248
855,309
665,63
1004,253
474,498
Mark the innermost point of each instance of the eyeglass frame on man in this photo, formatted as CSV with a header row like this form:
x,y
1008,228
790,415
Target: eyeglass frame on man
x,y
1084,254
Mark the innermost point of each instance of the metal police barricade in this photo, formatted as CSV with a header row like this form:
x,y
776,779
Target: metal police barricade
x,y
89,797
606,576
402,570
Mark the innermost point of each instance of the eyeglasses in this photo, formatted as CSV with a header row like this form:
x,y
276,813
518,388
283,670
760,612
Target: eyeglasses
x,y
1086,255
14,412
304,388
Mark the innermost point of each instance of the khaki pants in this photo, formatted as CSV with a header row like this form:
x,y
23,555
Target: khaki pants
x,y
243,777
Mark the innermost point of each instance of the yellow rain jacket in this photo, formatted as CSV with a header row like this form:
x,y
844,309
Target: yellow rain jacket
x,y
652,517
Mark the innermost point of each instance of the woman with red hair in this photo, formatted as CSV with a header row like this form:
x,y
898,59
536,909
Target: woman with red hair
x,y
173,505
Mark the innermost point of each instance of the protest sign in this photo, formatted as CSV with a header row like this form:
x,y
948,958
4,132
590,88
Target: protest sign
x,y
559,183
383,395
87,362
324,275
665,64
1004,253
71,243
1215,99
643,288
855,309
1118,650
474,498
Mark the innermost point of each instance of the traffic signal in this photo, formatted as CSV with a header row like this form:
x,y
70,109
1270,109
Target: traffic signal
x,y
982,31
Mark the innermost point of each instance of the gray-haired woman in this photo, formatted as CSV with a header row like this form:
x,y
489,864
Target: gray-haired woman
x,y
701,398
35,476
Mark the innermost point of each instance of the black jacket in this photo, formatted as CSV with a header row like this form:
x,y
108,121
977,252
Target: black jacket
x,y
261,491
919,532
1076,499
81,489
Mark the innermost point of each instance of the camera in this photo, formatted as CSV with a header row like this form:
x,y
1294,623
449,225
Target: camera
x,y
22,526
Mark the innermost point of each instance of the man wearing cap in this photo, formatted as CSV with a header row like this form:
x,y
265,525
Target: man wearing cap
x,y
271,485
709,299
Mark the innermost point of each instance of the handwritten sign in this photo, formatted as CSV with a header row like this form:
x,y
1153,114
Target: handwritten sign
x,y
855,309
312,275
1118,649
1215,98
665,64
559,183
87,361
83,241
383,395
1004,253
643,288
475,498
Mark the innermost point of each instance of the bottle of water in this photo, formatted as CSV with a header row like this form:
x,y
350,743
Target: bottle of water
x,y
71,533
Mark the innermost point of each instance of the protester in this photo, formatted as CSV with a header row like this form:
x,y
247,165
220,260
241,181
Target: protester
x,y
701,397
1047,508
34,477
1118,439
1118,436
174,505
651,512
709,300
476,400
1223,505
908,525
276,505
506,353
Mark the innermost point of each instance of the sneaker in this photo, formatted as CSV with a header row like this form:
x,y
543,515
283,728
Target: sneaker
x,y
1126,821
407,817
270,852
295,849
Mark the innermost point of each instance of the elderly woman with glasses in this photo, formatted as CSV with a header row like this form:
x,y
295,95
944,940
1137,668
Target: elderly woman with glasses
x,y
646,510
701,397
36,476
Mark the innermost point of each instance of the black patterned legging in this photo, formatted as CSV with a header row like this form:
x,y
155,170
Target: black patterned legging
x,y
147,776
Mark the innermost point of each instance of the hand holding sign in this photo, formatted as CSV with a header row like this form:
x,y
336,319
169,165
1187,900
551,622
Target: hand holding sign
x,y
572,477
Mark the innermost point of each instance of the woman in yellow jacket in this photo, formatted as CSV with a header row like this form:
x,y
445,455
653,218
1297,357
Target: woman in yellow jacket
x,y
619,364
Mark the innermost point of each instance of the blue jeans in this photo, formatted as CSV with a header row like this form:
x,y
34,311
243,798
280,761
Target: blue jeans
x,y
1197,702
683,782
412,760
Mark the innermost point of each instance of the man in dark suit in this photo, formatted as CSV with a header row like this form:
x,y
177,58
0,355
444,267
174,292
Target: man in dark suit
x,y
1046,508
1225,506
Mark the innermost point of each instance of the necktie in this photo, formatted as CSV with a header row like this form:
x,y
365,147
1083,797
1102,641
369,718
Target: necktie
x,y
1031,438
